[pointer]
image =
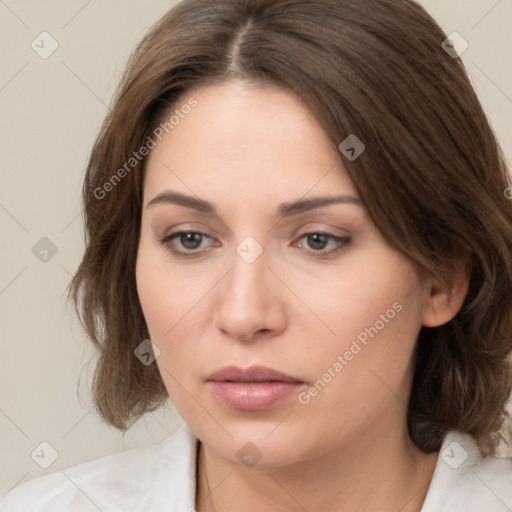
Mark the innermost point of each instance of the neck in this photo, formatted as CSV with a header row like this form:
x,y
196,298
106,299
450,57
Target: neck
x,y
381,470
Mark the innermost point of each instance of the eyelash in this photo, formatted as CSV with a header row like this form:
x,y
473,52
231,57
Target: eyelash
x,y
341,240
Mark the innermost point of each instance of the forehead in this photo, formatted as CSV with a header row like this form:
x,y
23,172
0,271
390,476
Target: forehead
x,y
245,143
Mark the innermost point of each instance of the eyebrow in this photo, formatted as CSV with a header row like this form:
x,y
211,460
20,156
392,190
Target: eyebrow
x,y
284,209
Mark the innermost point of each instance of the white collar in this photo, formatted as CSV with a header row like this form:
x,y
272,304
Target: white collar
x,y
462,480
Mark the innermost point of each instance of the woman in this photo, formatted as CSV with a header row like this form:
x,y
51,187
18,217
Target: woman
x,y
299,231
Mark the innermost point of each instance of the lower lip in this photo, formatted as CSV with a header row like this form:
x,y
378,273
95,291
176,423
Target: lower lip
x,y
253,396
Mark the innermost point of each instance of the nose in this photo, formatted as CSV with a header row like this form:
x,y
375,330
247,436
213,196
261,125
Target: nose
x,y
249,301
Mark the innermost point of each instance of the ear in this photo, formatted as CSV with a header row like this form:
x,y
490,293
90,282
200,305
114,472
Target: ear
x,y
444,300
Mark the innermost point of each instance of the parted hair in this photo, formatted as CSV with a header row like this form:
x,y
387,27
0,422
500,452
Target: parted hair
x,y
432,177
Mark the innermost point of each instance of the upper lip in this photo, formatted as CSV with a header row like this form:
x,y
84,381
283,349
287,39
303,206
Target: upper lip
x,y
251,374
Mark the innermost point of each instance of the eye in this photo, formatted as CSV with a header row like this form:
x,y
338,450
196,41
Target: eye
x,y
190,240
318,241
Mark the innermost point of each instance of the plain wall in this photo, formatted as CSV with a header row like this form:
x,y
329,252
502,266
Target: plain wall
x,y
50,111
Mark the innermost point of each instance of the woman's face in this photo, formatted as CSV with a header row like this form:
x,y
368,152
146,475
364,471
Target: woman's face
x,y
315,293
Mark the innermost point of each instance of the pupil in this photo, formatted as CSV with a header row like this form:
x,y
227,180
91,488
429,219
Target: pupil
x,y
189,237
317,236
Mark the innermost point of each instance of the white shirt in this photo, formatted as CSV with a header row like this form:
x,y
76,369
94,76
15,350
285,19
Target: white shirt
x,y
162,478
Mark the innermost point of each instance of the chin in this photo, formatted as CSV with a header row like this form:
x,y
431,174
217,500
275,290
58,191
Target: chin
x,y
258,443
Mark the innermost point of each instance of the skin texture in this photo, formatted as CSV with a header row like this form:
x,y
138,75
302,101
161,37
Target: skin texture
x,y
247,149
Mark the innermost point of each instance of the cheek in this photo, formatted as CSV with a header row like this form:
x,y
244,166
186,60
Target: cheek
x,y
151,289
374,315
172,304
164,295
375,290
161,308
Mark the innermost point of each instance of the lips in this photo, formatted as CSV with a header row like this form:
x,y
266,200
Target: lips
x,y
251,374
252,389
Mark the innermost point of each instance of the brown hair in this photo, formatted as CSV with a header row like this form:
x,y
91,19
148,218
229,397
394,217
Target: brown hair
x,y
432,177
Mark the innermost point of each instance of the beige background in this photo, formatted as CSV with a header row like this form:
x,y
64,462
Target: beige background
x,y
50,111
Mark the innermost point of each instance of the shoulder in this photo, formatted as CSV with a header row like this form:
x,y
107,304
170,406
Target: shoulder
x,y
464,481
138,479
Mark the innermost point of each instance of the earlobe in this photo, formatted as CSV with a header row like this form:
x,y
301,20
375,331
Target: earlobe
x,y
445,300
